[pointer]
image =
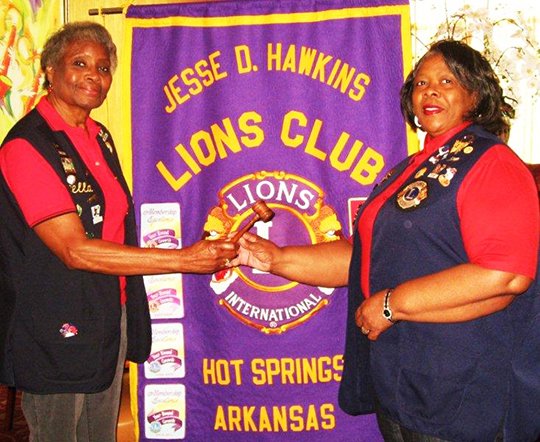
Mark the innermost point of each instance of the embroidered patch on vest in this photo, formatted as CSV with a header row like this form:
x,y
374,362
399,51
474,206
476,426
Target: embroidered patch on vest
x,y
67,164
449,173
96,214
463,144
421,172
412,195
68,330
105,137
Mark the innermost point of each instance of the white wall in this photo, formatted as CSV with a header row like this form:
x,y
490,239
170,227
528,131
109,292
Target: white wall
x,y
428,15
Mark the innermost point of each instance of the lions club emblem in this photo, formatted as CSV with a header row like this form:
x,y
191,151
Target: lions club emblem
x,y
261,300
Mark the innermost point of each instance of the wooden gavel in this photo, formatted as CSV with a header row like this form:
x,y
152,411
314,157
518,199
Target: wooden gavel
x,y
262,213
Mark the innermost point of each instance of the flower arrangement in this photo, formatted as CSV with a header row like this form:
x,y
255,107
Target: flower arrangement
x,y
508,44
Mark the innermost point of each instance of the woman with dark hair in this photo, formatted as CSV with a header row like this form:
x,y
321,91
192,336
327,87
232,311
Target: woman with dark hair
x,y
72,301
491,111
440,271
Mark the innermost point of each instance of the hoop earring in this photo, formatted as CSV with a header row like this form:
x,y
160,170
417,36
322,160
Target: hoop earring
x,y
417,122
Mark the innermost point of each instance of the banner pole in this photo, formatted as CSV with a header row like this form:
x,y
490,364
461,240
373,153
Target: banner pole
x,y
105,11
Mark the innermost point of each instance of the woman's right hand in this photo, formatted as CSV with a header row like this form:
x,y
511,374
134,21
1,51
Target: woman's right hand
x,y
206,256
256,252
319,265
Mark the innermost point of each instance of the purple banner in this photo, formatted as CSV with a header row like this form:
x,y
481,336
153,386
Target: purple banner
x,y
292,102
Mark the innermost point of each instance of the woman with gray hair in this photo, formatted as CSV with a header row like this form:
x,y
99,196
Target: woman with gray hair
x,y
72,300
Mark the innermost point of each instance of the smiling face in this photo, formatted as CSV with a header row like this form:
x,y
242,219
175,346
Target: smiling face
x,y
81,80
438,99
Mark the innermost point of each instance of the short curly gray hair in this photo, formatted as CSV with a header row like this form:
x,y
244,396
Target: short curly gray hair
x,y
56,45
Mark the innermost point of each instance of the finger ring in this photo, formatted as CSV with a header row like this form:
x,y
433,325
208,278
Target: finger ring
x,y
227,262
364,331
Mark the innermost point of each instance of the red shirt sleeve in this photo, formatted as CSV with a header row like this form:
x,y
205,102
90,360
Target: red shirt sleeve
x,y
499,213
36,186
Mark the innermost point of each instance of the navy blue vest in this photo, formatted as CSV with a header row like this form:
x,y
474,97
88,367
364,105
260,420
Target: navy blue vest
x,y
40,297
447,380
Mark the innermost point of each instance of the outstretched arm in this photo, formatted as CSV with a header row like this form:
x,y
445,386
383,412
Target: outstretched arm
x,y
66,238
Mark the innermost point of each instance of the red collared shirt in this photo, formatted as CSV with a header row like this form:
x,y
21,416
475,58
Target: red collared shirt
x,y
39,191
497,206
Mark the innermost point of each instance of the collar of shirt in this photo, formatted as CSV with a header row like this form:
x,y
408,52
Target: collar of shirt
x,y
431,144
57,123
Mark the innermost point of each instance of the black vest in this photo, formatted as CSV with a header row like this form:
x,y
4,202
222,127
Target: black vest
x,y
60,328
448,380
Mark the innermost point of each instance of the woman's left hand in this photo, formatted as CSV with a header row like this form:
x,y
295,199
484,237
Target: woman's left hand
x,y
369,316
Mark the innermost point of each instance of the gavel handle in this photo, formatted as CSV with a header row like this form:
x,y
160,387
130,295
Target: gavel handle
x,y
244,229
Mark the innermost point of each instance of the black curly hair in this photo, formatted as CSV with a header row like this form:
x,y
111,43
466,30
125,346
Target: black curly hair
x,y
475,74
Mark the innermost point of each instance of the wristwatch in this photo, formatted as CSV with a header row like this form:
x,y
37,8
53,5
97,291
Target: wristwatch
x,y
387,311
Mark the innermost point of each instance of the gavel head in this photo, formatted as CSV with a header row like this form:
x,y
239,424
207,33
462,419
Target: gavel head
x,y
264,212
